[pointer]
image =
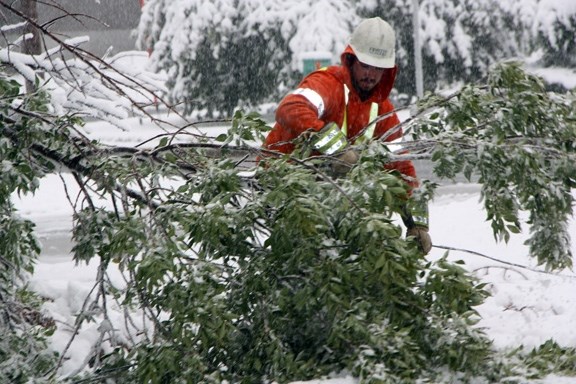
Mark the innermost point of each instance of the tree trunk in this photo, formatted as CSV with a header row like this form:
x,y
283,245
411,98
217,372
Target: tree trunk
x,y
32,45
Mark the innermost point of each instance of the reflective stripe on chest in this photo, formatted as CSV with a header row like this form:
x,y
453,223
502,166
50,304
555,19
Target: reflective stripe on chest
x,y
369,131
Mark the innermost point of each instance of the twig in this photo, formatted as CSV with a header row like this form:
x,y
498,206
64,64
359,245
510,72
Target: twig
x,y
502,261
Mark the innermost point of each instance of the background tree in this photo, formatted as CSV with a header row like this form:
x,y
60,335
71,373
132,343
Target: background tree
x,y
31,45
217,56
207,49
559,43
544,29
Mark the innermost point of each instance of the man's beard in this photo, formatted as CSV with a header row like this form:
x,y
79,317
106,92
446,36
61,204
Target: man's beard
x,y
363,93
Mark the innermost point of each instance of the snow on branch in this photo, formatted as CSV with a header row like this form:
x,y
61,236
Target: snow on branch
x,y
81,83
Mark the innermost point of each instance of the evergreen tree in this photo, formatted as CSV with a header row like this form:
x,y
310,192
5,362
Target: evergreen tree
x,y
219,57
459,39
559,44
543,28
215,56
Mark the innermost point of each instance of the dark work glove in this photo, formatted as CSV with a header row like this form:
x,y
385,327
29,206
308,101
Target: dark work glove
x,y
342,163
416,223
422,238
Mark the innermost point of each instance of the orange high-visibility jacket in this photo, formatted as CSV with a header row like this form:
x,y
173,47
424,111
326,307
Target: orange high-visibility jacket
x,y
320,99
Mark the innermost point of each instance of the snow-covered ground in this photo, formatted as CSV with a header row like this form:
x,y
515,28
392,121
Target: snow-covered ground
x,y
528,306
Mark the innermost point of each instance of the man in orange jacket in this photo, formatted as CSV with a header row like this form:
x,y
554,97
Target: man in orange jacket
x,y
338,103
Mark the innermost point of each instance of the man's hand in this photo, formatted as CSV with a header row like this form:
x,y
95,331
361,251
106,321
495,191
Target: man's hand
x,y
421,236
343,162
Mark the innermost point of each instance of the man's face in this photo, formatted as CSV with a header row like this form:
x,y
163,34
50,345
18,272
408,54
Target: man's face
x,y
366,76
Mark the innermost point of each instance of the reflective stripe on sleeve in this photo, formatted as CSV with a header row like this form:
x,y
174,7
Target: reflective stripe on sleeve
x,y
331,141
421,221
313,97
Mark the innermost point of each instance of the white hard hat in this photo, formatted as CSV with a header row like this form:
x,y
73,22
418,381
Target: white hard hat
x,y
373,41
